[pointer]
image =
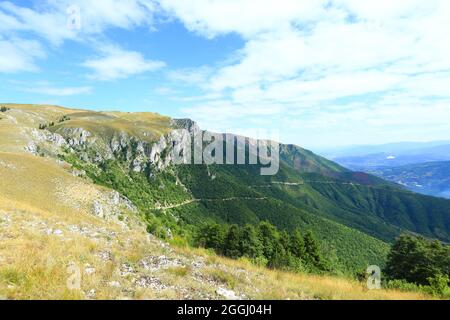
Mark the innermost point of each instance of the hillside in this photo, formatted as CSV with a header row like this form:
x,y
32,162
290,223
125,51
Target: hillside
x,y
83,187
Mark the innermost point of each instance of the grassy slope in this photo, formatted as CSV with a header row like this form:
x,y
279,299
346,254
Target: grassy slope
x,y
37,270
40,196
34,266
229,201
370,205
144,126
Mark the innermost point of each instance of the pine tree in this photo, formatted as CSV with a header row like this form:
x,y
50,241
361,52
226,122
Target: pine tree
x,y
281,257
273,248
285,240
250,244
232,247
268,236
313,257
297,245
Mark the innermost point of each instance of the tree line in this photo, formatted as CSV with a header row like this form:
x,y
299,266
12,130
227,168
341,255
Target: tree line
x,y
412,260
265,245
419,261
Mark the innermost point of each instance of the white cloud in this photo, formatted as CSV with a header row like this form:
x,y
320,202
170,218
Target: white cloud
x,y
304,55
51,24
164,91
59,91
222,115
19,55
50,18
191,76
299,57
116,63
246,17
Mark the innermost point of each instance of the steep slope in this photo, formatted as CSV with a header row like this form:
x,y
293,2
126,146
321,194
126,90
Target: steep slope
x,y
131,153
57,227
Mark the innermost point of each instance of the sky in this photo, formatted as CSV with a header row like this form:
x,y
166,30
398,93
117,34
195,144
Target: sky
x,y
317,73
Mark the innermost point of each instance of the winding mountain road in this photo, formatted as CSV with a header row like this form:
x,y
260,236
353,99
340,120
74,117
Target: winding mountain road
x,y
173,206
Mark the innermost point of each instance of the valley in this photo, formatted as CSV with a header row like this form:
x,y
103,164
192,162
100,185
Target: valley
x,y
101,187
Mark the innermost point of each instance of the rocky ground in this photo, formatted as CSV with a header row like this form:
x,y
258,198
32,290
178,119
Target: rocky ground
x,y
118,262
63,237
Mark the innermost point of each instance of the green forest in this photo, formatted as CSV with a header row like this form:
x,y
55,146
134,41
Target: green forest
x,y
298,229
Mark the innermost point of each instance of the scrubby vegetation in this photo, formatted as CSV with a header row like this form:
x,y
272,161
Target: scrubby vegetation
x,y
285,241
347,251
43,126
253,237
63,118
4,109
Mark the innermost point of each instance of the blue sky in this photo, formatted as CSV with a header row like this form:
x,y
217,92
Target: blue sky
x,y
317,73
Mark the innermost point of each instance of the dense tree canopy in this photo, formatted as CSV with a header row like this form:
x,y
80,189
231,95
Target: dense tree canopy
x,y
417,260
264,243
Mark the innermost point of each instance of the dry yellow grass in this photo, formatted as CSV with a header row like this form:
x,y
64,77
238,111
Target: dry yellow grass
x,y
16,124
33,264
276,285
47,226
43,184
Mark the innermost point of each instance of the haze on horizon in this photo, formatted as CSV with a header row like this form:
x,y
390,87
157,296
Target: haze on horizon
x,y
320,73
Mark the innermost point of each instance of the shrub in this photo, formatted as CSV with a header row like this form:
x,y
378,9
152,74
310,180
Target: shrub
x,y
178,241
224,277
401,285
178,271
63,118
438,284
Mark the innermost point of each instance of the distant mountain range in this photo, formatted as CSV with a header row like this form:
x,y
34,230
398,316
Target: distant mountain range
x,y
422,167
355,215
396,147
432,178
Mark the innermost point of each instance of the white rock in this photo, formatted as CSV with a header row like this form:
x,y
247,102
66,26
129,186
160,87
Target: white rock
x,y
89,270
114,284
227,294
91,294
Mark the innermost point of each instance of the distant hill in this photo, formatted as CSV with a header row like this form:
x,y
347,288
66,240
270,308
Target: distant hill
x,y
354,214
432,178
421,167
396,147
389,155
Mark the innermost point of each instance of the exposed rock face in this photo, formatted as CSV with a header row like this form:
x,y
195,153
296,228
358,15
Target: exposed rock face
x,y
44,135
187,124
77,137
31,148
140,155
111,205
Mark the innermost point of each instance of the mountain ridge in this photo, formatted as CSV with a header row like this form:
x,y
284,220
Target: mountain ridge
x,y
130,153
